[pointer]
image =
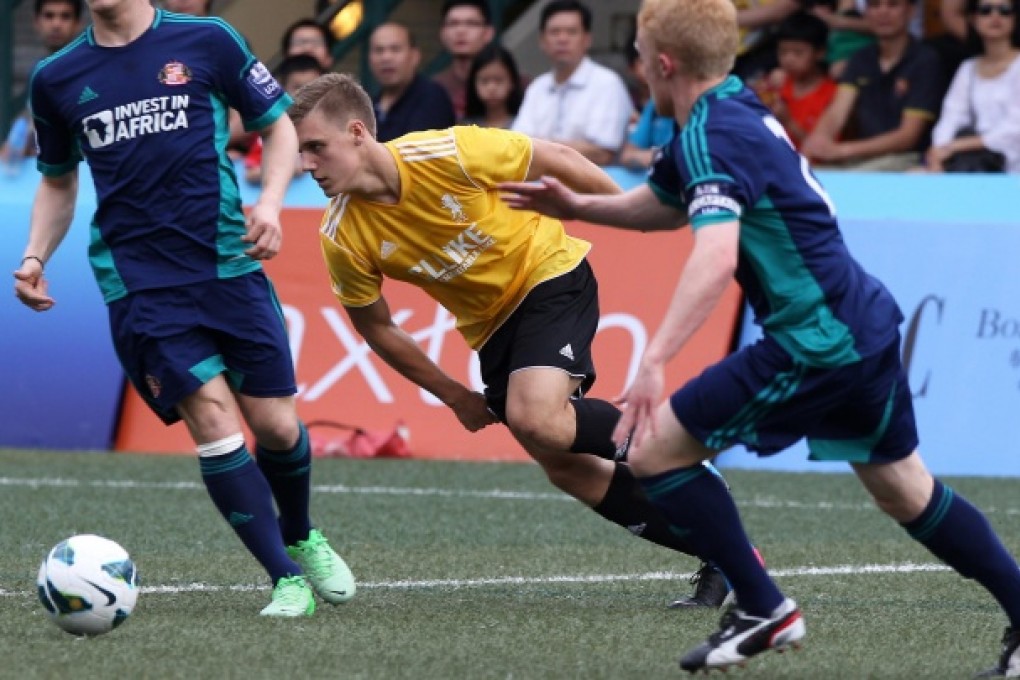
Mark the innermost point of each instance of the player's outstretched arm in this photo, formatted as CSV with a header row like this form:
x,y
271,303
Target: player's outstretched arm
x,y
374,323
52,212
280,148
638,209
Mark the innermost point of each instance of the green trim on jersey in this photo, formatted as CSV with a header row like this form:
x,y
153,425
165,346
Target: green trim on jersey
x,y
853,450
231,260
806,327
666,197
57,170
231,31
103,267
270,116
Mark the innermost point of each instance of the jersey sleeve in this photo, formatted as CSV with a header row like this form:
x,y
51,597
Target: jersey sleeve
x,y
664,177
58,149
247,84
699,171
491,155
356,282
924,94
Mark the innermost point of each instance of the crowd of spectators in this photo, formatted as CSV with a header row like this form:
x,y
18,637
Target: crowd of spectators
x,y
855,83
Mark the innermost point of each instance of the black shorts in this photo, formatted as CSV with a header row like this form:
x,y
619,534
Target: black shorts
x,y
552,328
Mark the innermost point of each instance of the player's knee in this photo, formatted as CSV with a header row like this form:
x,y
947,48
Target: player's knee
x,y
532,426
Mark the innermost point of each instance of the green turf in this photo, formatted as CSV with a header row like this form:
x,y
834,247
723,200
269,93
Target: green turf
x,y
435,556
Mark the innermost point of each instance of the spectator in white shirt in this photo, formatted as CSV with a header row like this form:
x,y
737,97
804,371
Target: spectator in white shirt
x,y
981,110
578,103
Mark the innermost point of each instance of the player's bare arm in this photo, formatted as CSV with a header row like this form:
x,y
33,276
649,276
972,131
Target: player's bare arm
x,y
821,143
571,167
702,283
280,148
638,209
374,323
51,218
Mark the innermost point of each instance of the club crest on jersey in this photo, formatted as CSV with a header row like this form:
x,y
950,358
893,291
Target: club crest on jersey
x,y
175,73
453,205
262,80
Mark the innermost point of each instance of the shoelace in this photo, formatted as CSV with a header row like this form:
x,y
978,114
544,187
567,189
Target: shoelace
x,y
290,592
319,558
697,576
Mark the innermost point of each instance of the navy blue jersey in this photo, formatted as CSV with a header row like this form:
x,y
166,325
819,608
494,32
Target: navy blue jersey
x,y
733,161
151,120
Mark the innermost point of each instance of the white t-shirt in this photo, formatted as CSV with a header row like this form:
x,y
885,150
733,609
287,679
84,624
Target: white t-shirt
x,y
990,105
593,105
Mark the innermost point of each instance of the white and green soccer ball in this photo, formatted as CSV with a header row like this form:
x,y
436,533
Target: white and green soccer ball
x,y
88,585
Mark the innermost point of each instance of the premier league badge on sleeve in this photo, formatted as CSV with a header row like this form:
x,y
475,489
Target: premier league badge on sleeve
x,y
262,80
175,73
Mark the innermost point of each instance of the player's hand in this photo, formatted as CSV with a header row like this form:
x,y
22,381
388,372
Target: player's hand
x,y
264,233
472,411
638,404
31,287
546,195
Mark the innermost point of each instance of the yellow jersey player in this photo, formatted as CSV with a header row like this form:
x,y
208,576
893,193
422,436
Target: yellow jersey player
x,y
425,209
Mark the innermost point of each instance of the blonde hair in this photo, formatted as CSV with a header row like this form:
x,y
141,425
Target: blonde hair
x,y
338,96
701,34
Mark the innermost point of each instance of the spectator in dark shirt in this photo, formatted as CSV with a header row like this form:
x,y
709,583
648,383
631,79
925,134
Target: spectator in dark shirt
x,y
890,94
466,28
407,101
56,23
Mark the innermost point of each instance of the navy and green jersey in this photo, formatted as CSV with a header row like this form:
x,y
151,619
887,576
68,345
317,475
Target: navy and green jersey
x,y
151,120
733,161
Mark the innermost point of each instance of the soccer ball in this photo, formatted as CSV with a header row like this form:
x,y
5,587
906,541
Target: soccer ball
x,y
88,585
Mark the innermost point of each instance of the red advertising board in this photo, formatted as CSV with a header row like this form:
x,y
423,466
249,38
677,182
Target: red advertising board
x,y
341,380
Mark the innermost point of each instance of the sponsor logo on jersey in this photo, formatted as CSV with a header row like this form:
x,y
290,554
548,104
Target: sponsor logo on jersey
x,y
137,118
456,257
387,249
175,73
87,95
453,205
262,80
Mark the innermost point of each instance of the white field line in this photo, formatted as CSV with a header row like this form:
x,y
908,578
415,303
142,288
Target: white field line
x,y
496,494
453,584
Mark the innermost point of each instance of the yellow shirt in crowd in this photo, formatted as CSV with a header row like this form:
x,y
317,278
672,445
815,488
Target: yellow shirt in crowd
x,y
449,234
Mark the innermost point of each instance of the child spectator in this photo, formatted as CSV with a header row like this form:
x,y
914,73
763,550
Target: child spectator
x,y
292,74
494,91
979,128
806,89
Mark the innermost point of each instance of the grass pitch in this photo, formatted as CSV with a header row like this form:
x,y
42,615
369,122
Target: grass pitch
x,y
473,570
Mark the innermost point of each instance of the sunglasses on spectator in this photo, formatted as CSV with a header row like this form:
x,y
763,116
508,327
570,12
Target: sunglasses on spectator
x,y
988,10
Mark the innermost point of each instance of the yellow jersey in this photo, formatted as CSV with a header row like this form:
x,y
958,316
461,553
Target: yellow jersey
x,y
449,234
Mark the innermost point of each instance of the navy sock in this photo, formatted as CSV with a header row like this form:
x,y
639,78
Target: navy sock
x,y
626,504
957,533
702,512
243,497
596,420
289,476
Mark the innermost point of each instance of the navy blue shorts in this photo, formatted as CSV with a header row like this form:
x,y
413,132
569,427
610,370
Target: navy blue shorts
x,y
762,398
553,327
171,341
